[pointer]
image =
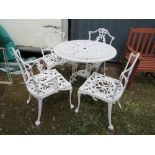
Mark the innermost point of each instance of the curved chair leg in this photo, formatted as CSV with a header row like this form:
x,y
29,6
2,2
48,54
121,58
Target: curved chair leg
x,y
39,111
109,116
79,98
28,100
70,98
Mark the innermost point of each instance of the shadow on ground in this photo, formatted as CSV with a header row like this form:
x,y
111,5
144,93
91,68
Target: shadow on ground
x,y
137,115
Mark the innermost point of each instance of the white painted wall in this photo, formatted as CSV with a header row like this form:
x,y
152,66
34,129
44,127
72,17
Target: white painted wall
x,y
23,31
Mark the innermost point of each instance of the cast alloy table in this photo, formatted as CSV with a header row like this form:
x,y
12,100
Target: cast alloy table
x,y
84,51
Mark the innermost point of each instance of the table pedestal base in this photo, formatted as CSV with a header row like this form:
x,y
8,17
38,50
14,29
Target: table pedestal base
x,y
83,73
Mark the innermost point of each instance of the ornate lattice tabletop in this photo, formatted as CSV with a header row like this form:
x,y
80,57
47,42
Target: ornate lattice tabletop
x,y
84,51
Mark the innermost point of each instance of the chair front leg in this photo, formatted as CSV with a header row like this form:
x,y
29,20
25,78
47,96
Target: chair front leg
x,y
109,116
70,98
39,111
79,100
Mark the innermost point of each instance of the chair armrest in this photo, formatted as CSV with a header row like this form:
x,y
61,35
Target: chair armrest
x,y
37,62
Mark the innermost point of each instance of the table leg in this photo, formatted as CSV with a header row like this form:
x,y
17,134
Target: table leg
x,y
74,72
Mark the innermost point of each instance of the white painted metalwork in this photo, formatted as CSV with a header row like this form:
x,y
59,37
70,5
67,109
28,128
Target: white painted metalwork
x,y
101,35
84,51
47,42
106,88
43,84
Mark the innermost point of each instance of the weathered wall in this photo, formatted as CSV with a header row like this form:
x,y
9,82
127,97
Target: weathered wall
x,y
117,27
23,31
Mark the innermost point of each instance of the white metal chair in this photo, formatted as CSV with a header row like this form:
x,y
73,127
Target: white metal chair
x,y
47,39
101,35
106,88
43,84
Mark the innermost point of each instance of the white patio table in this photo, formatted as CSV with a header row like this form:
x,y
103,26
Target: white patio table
x,y
84,51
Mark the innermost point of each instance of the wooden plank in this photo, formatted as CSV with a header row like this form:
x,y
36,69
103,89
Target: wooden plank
x,y
6,82
143,30
145,70
133,40
153,48
149,56
149,43
139,40
144,43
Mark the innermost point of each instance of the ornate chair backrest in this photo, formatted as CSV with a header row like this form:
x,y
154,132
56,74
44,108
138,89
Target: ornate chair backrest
x,y
27,72
124,77
49,37
142,40
102,35
26,69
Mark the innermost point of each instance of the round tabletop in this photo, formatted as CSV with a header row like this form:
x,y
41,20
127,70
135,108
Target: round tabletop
x,y
85,51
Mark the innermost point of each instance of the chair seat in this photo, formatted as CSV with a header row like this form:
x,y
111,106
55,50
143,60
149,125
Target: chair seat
x,y
48,82
102,87
52,60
